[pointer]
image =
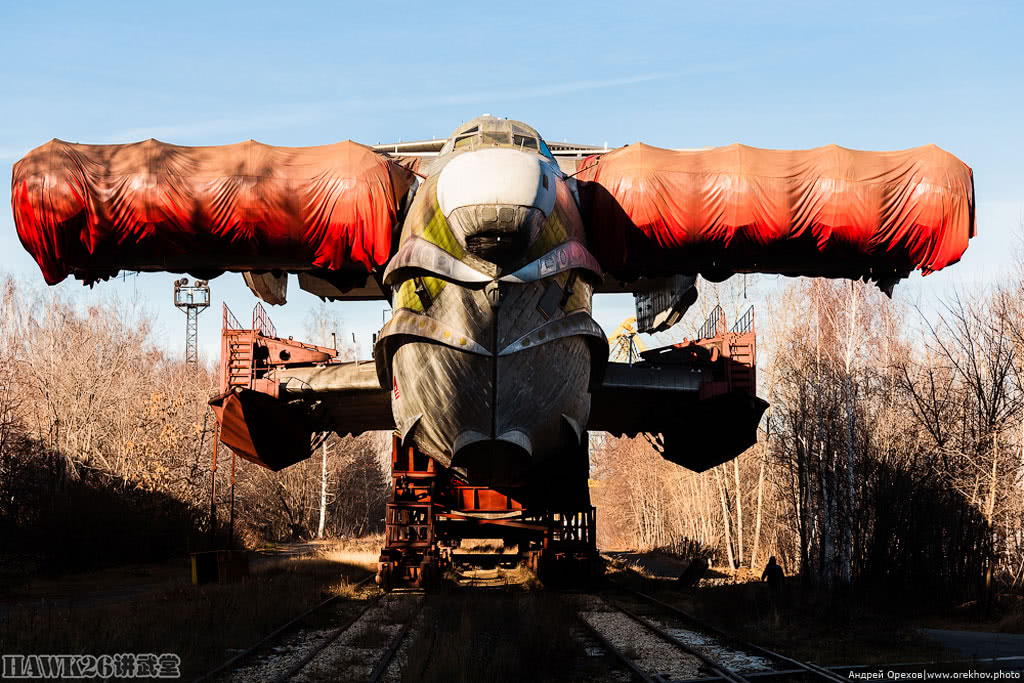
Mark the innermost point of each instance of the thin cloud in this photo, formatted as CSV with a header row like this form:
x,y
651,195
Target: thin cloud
x,y
533,92
300,115
214,127
10,153
516,93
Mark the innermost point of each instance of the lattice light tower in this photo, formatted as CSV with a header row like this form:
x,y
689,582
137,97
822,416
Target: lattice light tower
x,y
625,343
193,299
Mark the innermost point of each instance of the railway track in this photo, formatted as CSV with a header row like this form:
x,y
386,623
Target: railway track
x,y
380,669
641,638
329,642
656,642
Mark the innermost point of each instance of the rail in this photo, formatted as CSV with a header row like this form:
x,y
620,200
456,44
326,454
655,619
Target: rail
x,y
261,321
711,326
322,645
708,663
819,672
232,663
745,323
230,321
392,649
610,648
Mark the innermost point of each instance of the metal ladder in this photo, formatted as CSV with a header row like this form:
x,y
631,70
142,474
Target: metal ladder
x,y
238,346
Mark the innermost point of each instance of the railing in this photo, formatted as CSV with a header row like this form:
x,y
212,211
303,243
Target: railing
x,y
745,323
711,325
261,321
230,321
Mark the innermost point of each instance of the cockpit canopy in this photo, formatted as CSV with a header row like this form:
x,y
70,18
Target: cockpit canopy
x,y
489,131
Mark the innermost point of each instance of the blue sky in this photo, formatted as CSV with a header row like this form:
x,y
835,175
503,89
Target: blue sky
x,y
863,75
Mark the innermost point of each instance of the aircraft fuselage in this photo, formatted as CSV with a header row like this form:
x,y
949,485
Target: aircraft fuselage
x,y
492,344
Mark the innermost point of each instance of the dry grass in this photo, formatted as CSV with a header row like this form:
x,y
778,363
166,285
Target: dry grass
x,y
362,552
520,576
631,574
202,624
513,577
485,545
639,570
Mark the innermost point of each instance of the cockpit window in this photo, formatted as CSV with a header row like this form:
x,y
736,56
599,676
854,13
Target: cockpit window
x,y
487,137
495,137
545,151
525,142
465,140
518,138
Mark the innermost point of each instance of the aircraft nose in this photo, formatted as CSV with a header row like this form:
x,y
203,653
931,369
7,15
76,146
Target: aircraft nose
x,y
496,200
497,176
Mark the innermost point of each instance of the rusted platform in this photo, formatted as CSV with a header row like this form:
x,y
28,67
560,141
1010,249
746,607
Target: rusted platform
x,y
432,509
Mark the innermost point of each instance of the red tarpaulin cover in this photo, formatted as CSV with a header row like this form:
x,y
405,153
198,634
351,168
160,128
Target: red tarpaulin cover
x,y
95,209
828,211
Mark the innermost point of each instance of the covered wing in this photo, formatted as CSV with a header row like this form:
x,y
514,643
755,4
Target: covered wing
x,y
698,429
828,211
92,210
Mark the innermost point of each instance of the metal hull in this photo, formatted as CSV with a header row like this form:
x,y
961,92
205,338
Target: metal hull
x,y
507,403
457,408
491,349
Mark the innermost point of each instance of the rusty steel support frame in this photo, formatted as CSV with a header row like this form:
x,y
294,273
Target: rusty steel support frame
x,y
231,516
432,509
213,486
409,556
213,493
247,407
248,354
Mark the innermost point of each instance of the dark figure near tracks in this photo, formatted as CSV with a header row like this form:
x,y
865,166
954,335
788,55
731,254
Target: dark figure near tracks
x,y
774,575
693,573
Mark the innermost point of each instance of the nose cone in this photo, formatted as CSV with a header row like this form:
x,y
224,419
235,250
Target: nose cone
x,y
496,201
496,177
